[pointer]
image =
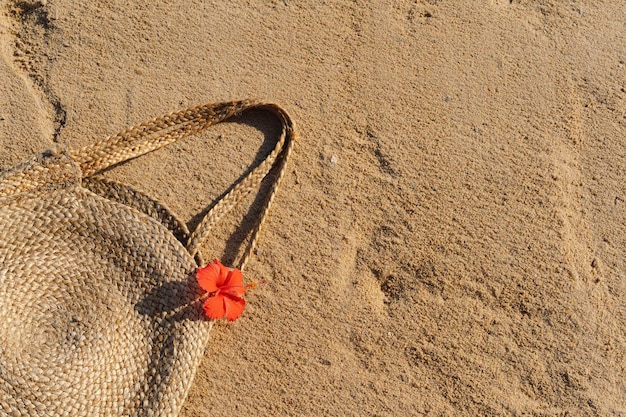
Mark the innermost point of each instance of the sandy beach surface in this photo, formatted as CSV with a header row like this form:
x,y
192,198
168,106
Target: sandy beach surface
x,y
450,235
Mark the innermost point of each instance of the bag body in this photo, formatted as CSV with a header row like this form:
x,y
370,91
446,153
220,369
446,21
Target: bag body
x,y
97,280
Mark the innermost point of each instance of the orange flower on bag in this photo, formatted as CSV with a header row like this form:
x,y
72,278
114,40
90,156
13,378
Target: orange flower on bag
x,y
224,287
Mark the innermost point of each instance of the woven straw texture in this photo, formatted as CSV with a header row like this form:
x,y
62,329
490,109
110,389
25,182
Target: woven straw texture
x,y
97,283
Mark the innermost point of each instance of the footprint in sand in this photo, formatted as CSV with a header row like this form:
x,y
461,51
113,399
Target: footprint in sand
x,y
30,115
574,195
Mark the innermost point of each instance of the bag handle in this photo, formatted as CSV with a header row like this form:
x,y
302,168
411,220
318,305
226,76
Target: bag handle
x,y
167,129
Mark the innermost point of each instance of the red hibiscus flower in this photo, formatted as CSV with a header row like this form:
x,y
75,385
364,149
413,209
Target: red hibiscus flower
x,y
225,288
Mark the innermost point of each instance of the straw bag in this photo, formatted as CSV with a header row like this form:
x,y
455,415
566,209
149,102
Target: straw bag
x,y
97,280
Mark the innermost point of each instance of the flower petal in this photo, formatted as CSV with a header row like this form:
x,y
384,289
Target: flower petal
x,y
207,277
234,306
234,283
223,272
215,307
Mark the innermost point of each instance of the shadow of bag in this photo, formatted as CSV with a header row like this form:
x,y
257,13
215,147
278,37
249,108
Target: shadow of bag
x,y
97,283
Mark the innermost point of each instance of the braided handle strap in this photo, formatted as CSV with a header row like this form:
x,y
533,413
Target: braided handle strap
x,y
172,127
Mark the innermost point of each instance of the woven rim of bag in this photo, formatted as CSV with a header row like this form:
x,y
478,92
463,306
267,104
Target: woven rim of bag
x,y
97,285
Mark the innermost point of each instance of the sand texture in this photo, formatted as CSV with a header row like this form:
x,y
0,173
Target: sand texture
x,y
450,235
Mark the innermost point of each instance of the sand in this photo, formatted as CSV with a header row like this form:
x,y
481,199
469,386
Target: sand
x,y
450,235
